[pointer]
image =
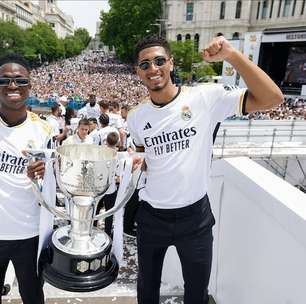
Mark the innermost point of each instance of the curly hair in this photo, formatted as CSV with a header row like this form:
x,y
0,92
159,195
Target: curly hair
x,y
15,58
150,41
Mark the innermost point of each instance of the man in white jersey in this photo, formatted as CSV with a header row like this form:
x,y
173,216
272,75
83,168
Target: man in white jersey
x,y
58,132
175,130
105,128
91,109
93,130
19,209
81,136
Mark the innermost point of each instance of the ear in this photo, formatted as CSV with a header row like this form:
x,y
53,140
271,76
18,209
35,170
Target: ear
x,y
137,70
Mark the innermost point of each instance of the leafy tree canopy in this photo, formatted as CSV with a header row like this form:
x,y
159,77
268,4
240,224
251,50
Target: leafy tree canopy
x,y
128,21
188,61
40,43
83,35
11,38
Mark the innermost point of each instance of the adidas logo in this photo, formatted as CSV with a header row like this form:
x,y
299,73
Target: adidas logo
x,y
147,126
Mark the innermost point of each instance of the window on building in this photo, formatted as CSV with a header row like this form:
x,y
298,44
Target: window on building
x,y
271,8
279,7
293,8
238,9
303,7
258,9
52,24
187,37
179,37
236,36
286,10
189,11
222,10
264,11
196,42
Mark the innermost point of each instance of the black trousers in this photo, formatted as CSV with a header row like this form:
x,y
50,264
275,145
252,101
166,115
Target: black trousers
x,y
130,211
23,254
189,229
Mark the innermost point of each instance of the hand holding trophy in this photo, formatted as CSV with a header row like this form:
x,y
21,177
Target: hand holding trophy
x,y
78,256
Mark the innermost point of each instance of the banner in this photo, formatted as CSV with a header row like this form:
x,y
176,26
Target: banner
x,y
251,48
229,74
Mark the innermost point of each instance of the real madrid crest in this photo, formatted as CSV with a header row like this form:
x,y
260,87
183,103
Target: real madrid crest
x,y
186,113
229,71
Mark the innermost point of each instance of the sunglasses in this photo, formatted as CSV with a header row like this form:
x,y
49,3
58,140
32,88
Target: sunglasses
x,y
19,81
158,61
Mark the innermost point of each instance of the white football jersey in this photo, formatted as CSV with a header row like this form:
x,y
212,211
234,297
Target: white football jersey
x,y
103,132
75,140
178,140
115,120
88,111
54,124
19,210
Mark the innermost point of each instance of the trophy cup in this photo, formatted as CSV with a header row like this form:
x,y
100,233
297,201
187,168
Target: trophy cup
x,y
78,256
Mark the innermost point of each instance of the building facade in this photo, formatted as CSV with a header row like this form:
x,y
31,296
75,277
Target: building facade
x,y
201,20
25,14
61,23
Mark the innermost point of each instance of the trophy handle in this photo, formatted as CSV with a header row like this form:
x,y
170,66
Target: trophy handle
x,y
37,187
128,191
58,180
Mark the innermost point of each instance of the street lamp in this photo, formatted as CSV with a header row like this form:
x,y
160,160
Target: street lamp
x,y
162,24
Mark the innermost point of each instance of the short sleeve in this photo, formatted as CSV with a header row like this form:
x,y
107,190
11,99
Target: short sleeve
x,y
133,130
227,101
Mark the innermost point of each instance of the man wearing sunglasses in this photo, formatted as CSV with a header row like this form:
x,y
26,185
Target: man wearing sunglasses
x,y
175,130
19,210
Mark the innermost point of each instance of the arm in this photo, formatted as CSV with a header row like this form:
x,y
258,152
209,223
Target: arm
x,y
263,93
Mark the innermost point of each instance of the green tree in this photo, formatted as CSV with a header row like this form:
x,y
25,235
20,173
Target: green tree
x,y
41,39
126,22
185,57
11,38
204,69
73,46
83,35
189,62
217,66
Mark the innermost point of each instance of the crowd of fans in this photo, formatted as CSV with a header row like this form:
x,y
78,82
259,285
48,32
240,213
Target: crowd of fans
x,y
291,109
90,73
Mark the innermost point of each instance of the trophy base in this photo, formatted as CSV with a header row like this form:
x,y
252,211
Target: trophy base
x,y
78,273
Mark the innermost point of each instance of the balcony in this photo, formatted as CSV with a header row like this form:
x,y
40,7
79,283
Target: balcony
x,y
259,236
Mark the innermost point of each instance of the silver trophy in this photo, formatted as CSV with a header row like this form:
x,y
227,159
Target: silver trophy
x,y
78,256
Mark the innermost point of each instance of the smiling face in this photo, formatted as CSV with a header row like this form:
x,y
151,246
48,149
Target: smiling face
x,y
13,97
155,78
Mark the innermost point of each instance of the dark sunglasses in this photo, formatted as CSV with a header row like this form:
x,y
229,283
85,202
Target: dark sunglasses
x,y
19,81
158,61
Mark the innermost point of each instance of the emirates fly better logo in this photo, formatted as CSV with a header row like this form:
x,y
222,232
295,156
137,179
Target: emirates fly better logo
x,y
168,142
